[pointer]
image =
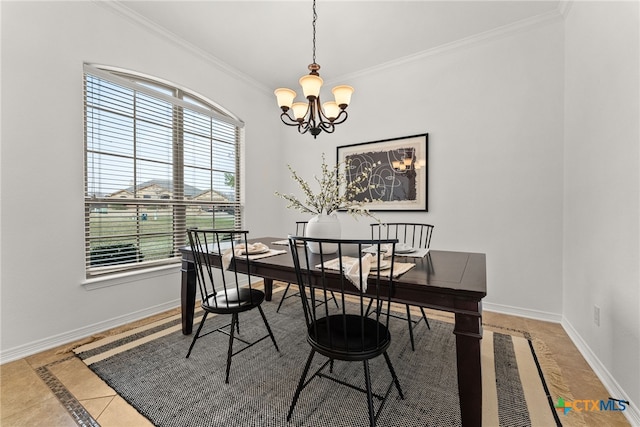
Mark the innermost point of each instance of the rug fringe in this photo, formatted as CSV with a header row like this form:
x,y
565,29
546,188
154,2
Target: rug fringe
x,y
552,370
76,344
556,383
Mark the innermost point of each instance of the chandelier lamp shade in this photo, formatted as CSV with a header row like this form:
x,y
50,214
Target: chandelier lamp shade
x,y
313,116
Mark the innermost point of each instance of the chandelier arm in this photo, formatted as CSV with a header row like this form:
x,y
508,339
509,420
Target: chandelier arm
x,y
314,106
302,129
341,117
292,122
328,127
321,115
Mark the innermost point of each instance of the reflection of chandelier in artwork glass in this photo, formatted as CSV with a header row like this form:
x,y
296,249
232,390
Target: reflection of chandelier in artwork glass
x,y
407,161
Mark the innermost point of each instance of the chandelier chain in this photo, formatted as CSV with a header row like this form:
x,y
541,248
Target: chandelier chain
x,y
315,18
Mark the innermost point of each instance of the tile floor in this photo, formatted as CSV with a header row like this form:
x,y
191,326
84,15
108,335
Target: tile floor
x,y
81,398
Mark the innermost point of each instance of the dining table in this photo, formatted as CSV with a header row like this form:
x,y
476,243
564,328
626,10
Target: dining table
x,y
448,281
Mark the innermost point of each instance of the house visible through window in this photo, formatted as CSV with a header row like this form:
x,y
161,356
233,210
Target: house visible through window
x,y
158,160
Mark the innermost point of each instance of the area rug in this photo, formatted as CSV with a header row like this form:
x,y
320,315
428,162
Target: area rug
x,y
147,367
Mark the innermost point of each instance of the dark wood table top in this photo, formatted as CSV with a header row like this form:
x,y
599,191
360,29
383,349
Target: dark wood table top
x,y
443,280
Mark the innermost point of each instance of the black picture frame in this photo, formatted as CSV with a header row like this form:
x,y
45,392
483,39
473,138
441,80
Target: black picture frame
x,y
401,174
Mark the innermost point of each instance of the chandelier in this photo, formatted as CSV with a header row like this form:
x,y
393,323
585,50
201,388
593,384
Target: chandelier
x,y
313,116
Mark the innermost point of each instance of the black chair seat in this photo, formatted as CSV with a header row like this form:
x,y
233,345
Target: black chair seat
x,y
233,301
349,338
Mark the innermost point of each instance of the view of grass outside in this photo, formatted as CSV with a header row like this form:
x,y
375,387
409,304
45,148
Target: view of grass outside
x,y
147,229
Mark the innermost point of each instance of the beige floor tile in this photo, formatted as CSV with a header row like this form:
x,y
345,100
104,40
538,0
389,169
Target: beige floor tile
x,y
80,380
14,369
119,413
21,389
95,407
46,411
50,356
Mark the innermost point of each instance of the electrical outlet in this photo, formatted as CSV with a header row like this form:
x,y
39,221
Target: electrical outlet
x,y
596,315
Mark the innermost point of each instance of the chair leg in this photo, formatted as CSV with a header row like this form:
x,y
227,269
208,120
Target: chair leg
x,y
195,337
367,381
368,307
300,384
268,328
284,294
413,348
335,299
425,318
234,321
393,374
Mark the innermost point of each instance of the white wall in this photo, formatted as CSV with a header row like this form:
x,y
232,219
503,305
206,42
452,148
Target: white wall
x,y
547,187
494,114
602,197
44,45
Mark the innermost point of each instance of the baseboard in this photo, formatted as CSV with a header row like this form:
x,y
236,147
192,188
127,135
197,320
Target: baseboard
x,y
632,413
523,312
48,343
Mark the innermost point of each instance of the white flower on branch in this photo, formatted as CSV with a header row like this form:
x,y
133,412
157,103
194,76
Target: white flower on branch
x,y
336,191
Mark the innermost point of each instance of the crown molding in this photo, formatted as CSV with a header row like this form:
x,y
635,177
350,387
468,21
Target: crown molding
x,y
565,7
484,37
122,10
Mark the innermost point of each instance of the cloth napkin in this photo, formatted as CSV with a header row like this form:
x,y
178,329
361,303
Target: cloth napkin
x,y
285,242
353,271
418,253
352,268
240,249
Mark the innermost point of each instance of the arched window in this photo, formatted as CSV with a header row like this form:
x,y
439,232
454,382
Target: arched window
x,y
158,160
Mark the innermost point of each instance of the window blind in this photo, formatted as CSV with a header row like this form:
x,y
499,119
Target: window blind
x,y
157,161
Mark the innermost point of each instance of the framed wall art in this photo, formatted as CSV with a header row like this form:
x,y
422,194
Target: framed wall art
x,y
400,172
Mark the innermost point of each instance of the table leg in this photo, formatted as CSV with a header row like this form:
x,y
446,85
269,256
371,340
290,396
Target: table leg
x,y
188,295
268,289
468,331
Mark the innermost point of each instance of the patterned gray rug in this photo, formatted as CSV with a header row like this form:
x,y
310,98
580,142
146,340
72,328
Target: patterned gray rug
x,y
147,367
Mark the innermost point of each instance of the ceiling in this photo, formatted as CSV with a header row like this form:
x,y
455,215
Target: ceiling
x,y
271,41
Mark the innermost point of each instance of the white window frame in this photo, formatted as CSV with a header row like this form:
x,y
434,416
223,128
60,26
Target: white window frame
x,y
184,210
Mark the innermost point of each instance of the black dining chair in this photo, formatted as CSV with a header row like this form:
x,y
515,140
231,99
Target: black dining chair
x,y
345,333
415,235
221,293
301,227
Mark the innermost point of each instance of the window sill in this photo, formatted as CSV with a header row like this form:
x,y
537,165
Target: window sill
x,y
130,276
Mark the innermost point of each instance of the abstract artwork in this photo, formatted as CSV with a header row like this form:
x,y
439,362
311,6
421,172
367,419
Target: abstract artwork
x,y
399,178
